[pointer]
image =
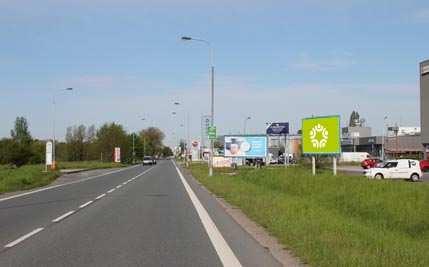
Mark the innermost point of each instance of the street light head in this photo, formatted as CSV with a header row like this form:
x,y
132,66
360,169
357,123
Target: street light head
x,y
186,38
69,89
176,103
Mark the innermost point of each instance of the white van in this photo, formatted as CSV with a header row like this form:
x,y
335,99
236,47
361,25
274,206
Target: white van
x,y
396,169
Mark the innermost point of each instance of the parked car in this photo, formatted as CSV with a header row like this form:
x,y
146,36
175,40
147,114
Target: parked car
x,y
370,163
147,160
396,169
424,165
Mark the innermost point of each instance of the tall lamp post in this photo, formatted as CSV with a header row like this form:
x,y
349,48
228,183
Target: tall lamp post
x,y
144,140
383,153
54,162
245,124
187,38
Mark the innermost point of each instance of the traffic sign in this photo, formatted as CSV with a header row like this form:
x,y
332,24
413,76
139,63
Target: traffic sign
x,y
211,130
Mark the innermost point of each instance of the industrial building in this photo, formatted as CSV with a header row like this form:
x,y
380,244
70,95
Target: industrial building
x,y
424,105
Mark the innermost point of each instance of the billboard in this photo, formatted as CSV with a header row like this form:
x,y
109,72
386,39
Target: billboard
x,y
117,155
321,135
278,128
247,146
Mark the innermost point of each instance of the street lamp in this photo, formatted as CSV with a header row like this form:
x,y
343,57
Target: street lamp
x,y
383,153
245,124
187,38
54,163
144,140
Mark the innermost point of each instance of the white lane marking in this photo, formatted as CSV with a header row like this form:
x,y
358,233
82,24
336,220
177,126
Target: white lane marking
x,y
60,185
119,186
111,190
63,216
22,238
124,183
100,196
225,253
85,204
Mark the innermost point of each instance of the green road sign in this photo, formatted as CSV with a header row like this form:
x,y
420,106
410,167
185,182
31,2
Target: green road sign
x,y
211,132
321,135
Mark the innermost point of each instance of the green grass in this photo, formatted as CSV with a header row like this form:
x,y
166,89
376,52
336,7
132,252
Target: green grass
x,y
25,177
332,221
31,176
89,165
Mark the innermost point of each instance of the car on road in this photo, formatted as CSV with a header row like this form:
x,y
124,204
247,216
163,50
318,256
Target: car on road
x,y
370,163
424,165
396,169
147,160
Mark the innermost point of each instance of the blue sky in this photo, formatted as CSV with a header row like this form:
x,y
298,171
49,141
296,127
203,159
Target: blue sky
x,y
275,61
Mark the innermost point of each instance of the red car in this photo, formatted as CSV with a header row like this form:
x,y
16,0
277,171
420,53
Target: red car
x,y
370,163
424,165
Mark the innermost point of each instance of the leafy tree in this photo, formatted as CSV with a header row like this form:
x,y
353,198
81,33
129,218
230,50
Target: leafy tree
x,y
20,133
109,136
75,139
152,138
166,151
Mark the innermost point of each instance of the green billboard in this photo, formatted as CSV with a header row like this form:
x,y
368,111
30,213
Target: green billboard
x,y
321,135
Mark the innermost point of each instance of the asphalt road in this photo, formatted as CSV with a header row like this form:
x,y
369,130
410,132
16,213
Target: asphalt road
x,y
138,216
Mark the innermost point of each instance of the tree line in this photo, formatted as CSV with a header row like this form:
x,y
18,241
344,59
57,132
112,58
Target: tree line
x,y
83,143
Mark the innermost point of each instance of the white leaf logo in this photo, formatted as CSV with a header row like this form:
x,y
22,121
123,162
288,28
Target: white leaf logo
x,y
319,141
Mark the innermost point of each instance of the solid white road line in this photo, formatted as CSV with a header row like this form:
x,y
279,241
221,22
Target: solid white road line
x,y
63,216
111,190
225,253
60,185
100,196
85,204
22,238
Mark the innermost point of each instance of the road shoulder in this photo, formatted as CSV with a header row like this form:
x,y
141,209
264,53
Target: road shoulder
x,y
235,225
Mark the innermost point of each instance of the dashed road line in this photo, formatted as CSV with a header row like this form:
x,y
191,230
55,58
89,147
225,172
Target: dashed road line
x,y
111,190
100,196
119,186
22,238
85,204
60,185
63,216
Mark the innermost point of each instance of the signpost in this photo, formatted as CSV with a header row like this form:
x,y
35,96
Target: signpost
x,y
48,156
321,136
211,130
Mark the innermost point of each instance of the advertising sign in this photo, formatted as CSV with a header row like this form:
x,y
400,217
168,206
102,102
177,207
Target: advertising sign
x,y
212,132
49,148
278,128
117,156
321,135
247,146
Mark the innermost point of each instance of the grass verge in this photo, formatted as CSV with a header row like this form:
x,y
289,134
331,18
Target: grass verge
x,y
32,176
331,221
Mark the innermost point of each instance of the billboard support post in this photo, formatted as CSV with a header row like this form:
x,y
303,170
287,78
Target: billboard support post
x,y
313,165
286,160
334,167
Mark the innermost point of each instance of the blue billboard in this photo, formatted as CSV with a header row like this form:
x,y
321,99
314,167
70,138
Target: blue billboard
x,y
278,128
246,146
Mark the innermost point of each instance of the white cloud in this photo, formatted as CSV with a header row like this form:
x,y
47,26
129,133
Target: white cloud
x,y
422,15
335,61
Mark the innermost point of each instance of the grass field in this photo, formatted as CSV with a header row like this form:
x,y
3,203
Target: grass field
x,y
31,176
332,221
